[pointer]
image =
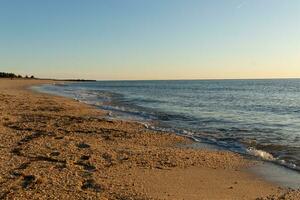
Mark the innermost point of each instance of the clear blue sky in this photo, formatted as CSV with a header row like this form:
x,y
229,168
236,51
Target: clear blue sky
x,y
151,39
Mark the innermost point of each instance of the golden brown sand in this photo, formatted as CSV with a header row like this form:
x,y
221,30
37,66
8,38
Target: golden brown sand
x,y
56,148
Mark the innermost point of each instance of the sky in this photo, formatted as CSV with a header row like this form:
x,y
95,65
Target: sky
x,y
151,39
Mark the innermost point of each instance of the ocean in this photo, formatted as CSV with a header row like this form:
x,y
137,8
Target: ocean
x,y
260,118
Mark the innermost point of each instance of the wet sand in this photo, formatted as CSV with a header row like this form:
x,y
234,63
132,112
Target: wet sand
x,y
57,148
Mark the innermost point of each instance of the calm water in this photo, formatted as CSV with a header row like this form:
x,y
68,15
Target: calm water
x,y
257,117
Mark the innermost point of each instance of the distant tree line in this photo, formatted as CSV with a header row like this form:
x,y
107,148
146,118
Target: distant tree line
x,y
12,75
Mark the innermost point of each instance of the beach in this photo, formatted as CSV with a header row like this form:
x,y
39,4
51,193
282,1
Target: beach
x,y
58,148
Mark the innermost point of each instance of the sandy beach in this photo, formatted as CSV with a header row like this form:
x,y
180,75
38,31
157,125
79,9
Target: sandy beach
x,y
57,148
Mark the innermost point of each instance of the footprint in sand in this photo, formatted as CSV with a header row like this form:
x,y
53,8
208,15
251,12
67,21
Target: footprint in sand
x,y
90,184
55,153
83,145
86,166
85,157
28,181
16,151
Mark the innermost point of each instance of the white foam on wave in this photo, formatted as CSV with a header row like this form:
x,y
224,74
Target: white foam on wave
x,y
269,157
260,153
145,124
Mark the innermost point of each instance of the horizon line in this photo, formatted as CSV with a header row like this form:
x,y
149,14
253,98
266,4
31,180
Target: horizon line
x,y
196,79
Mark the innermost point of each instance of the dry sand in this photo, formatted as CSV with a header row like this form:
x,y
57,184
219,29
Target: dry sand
x,y
56,148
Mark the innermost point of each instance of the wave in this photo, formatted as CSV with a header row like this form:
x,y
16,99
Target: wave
x,y
261,154
231,145
269,157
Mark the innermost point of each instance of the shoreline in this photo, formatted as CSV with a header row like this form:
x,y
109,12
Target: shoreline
x,y
107,159
258,155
